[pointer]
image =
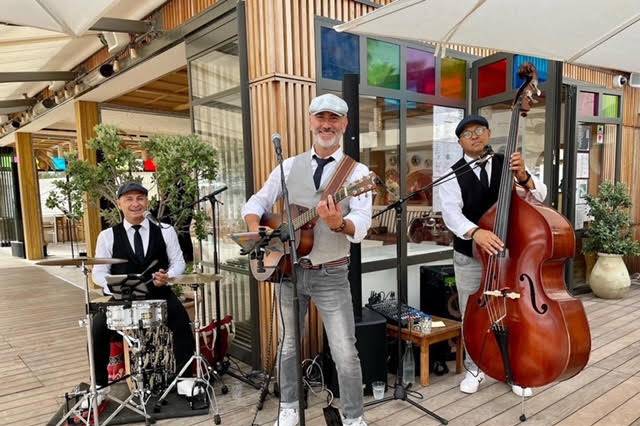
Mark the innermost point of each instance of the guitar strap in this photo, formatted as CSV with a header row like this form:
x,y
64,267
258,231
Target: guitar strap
x,y
344,170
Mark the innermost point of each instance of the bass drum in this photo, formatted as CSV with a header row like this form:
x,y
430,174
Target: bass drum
x,y
153,366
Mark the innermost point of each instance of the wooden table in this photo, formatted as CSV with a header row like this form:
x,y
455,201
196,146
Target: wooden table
x,y
451,330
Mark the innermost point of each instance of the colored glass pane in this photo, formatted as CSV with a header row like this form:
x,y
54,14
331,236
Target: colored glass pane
x,y
542,66
383,64
148,165
453,78
588,104
611,106
59,164
340,54
421,72
492,78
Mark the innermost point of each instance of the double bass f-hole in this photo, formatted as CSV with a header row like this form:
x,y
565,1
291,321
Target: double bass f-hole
x,y
532,291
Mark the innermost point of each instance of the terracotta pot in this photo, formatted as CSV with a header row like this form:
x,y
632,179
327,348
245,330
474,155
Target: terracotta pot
x,y
610,278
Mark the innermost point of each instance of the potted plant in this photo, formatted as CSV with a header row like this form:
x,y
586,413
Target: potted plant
x,y
610,235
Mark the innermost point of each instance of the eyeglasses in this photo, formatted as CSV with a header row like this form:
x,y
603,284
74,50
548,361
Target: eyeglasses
x,y
478,131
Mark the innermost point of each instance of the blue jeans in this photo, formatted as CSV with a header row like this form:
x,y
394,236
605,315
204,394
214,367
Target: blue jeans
x,y
468,277
329,289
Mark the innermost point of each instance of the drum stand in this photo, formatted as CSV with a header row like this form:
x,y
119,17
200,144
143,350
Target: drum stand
x,y
139,391
91,395
199,382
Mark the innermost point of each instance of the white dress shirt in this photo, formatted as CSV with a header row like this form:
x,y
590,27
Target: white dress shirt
x,y
360,207
451,199
104,248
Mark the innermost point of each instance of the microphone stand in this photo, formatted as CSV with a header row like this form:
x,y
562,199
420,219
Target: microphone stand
x,y
293,279
400,389
220,369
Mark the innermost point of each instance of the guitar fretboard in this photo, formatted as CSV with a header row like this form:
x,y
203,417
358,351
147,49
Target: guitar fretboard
x,y
311,214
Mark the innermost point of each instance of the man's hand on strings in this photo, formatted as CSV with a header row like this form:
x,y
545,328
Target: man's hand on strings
x,y
488,241
330,212
517,166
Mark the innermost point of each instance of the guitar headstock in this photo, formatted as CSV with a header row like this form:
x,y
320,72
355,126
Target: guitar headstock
x,y
362,185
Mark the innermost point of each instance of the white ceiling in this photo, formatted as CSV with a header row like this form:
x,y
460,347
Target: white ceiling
x,y
64,44
63,116
588,32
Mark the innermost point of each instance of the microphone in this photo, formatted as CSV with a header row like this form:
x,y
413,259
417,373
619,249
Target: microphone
x,y
487,153
149,216
217,191
276,139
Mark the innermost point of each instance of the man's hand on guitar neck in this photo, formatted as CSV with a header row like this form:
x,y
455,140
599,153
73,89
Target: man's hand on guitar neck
x,y
331,214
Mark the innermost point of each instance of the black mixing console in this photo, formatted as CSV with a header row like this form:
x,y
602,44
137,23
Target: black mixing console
x,y
389,309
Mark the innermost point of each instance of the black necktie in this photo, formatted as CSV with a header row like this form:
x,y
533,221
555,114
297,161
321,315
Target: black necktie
x,y
484,177
137,243
317,175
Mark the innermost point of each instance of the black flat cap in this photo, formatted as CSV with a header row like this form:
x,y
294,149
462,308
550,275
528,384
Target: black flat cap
x,y
471,119
131,186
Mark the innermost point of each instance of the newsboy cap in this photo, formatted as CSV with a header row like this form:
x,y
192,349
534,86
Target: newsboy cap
x,y
328,103
131,186
471,119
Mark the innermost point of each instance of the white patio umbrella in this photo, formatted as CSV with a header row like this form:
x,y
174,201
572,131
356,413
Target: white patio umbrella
x,y
71,17
602,33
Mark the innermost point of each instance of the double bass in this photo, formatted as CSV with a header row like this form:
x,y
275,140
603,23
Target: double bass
x,y
522,327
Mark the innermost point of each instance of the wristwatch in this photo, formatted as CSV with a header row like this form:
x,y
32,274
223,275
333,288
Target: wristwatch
x,y
526,181
340,228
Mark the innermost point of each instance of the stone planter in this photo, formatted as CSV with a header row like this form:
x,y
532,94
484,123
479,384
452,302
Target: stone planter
x,y
609,278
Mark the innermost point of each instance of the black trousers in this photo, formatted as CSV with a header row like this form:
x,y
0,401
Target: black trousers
x,y
177,321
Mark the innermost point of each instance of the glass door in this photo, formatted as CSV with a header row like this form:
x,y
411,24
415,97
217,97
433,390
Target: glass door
x,y
218,111
589,155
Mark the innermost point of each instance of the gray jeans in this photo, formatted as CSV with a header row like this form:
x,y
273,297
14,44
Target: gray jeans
x,y
329,289
468,276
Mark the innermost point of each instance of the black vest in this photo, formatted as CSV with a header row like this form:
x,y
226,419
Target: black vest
x,y
475,199
122,249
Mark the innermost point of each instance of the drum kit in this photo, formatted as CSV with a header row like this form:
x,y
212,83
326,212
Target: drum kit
x,y
142,324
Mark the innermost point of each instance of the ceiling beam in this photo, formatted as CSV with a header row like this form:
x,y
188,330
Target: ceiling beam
x,y
117,25
10,103
17,77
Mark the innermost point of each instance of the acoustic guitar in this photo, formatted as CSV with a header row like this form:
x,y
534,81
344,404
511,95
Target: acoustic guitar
x,y
275,259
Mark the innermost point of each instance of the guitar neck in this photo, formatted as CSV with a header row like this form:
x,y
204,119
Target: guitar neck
x,y
311,214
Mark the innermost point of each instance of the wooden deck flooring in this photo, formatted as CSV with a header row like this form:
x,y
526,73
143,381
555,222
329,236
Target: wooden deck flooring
x,y
41,357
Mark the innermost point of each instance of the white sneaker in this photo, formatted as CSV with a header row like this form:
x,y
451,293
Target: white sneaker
x,y
287,417
100,397
354,422
471,382
521,391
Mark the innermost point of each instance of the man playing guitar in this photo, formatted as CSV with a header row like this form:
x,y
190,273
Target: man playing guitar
x,y
322,274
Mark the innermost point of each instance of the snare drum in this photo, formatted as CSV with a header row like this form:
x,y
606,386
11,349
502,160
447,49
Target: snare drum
x,y
142,313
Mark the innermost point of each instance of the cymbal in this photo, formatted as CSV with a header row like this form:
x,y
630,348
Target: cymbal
x,y
78,261
195,278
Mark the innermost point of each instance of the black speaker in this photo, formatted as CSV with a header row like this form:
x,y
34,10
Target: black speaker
x,y
438,293
371,331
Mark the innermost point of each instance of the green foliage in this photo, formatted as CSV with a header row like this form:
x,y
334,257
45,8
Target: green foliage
x,y
66,198
181,162
611,230
102,180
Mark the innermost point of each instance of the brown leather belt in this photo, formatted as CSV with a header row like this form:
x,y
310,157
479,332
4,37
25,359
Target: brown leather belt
x,y
306,263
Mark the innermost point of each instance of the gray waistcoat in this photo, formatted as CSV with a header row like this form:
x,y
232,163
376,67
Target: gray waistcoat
x,y
327,245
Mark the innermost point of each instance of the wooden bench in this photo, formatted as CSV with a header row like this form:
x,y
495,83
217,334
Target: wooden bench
x,y
451,330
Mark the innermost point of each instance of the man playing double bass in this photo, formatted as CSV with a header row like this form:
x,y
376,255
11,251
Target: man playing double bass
x,y
464,201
